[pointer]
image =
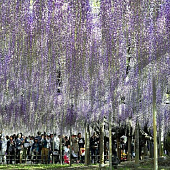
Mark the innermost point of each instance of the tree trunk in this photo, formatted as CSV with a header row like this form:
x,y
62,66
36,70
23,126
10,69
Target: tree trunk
x,y
70,146
160,143
87,145
61,150
137,144
110,142
102,144
154,125
53,148
129,148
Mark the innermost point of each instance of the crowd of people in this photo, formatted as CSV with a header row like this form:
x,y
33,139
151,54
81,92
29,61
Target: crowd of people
x,y
19,148
45,148
51,148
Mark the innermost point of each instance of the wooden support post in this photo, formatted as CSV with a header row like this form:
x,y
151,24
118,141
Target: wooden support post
x,y
155,125
70,146
110,142
61,150
137,144
87,145
102,145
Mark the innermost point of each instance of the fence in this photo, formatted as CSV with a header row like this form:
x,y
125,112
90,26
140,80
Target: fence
x,y
53,157
34,158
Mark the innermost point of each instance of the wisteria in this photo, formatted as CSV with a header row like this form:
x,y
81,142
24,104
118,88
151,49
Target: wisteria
x,y
86,54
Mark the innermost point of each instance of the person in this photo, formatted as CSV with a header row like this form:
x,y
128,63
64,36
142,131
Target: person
x,y
10,150
67,142
75,147
19,147
3,148
51,156
35,150
31,142
14,137
39,136
39,142
81,143
106,149
23,150
94,147
49,146
56,147
7,150
44,152
26,145
66,150
56,142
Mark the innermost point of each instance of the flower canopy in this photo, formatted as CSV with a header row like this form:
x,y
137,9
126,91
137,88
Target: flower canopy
x,y
56,55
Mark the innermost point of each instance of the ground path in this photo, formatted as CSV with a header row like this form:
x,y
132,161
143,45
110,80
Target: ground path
x,y
127,165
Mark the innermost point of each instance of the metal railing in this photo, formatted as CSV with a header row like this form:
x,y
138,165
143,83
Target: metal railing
x,y
47,159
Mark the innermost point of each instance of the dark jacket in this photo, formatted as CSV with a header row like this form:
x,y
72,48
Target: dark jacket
x,y
81,142
44,143
35,147
18,143
93,142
